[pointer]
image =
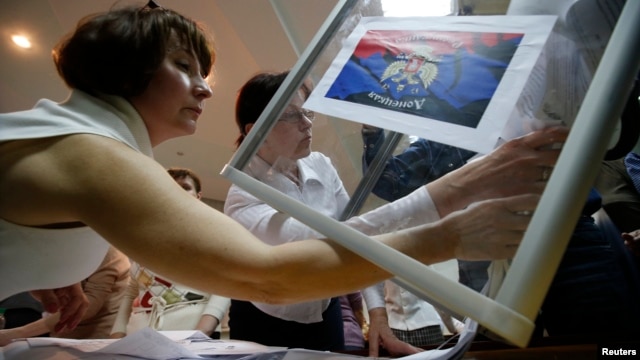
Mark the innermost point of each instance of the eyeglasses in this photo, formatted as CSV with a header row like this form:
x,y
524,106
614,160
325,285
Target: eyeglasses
x,y
294,116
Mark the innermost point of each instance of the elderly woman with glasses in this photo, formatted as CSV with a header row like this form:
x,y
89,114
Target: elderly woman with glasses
x,y
286,162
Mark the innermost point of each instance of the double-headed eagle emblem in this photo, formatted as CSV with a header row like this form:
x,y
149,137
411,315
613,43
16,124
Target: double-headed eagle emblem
x,y
417,68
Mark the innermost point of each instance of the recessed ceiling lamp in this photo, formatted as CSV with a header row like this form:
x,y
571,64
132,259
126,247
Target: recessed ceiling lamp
x,y
21,41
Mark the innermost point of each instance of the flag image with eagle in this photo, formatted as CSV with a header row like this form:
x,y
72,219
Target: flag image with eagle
x,y
447,76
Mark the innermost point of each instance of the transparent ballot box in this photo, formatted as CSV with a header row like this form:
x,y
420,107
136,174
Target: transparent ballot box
x,y
471,82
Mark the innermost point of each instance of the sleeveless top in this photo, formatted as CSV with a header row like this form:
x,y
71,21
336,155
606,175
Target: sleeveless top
x,y
37,258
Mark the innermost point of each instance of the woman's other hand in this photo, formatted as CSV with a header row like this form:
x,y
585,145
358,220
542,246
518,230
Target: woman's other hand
x,y
70,301
491,229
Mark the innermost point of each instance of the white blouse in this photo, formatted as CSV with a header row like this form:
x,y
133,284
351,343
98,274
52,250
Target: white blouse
x,y
36,258
321,188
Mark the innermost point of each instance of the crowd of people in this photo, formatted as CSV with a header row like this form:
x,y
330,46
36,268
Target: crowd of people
x,y
127,244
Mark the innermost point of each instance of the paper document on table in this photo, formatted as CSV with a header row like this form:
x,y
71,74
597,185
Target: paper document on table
x,y
303,354
81,345
199,343
150,344
145,343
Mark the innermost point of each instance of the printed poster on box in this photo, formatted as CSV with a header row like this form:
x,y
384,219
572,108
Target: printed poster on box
x,y
452,79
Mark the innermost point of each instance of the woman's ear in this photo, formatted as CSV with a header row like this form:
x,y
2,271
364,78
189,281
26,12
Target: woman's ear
x,y
248,128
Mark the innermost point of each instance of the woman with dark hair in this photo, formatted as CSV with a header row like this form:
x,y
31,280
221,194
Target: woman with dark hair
x,y
79,175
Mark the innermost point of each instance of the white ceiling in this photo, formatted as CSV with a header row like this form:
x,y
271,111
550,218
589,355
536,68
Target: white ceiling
x,y
249,38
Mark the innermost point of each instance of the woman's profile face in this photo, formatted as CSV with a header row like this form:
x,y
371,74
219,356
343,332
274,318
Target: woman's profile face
x,y
174,99
290,138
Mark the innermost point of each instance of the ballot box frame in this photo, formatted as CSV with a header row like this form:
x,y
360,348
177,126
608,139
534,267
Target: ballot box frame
x,y
511,314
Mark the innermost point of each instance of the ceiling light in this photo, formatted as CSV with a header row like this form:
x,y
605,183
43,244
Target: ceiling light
x,y
21,41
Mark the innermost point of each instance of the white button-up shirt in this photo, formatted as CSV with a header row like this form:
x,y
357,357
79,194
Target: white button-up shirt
x,y
320,187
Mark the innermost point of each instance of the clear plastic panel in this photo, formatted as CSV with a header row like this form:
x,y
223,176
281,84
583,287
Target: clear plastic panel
x,y
340,143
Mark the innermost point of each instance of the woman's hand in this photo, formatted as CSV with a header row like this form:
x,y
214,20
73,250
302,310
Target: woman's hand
x,y
380,335
519,166
70,301
7,335
491,229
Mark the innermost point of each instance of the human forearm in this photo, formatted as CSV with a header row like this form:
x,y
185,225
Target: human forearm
x,y
207,324
292,272
271,226
180,237
312,269
322,272
412,210
177,236
36,328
